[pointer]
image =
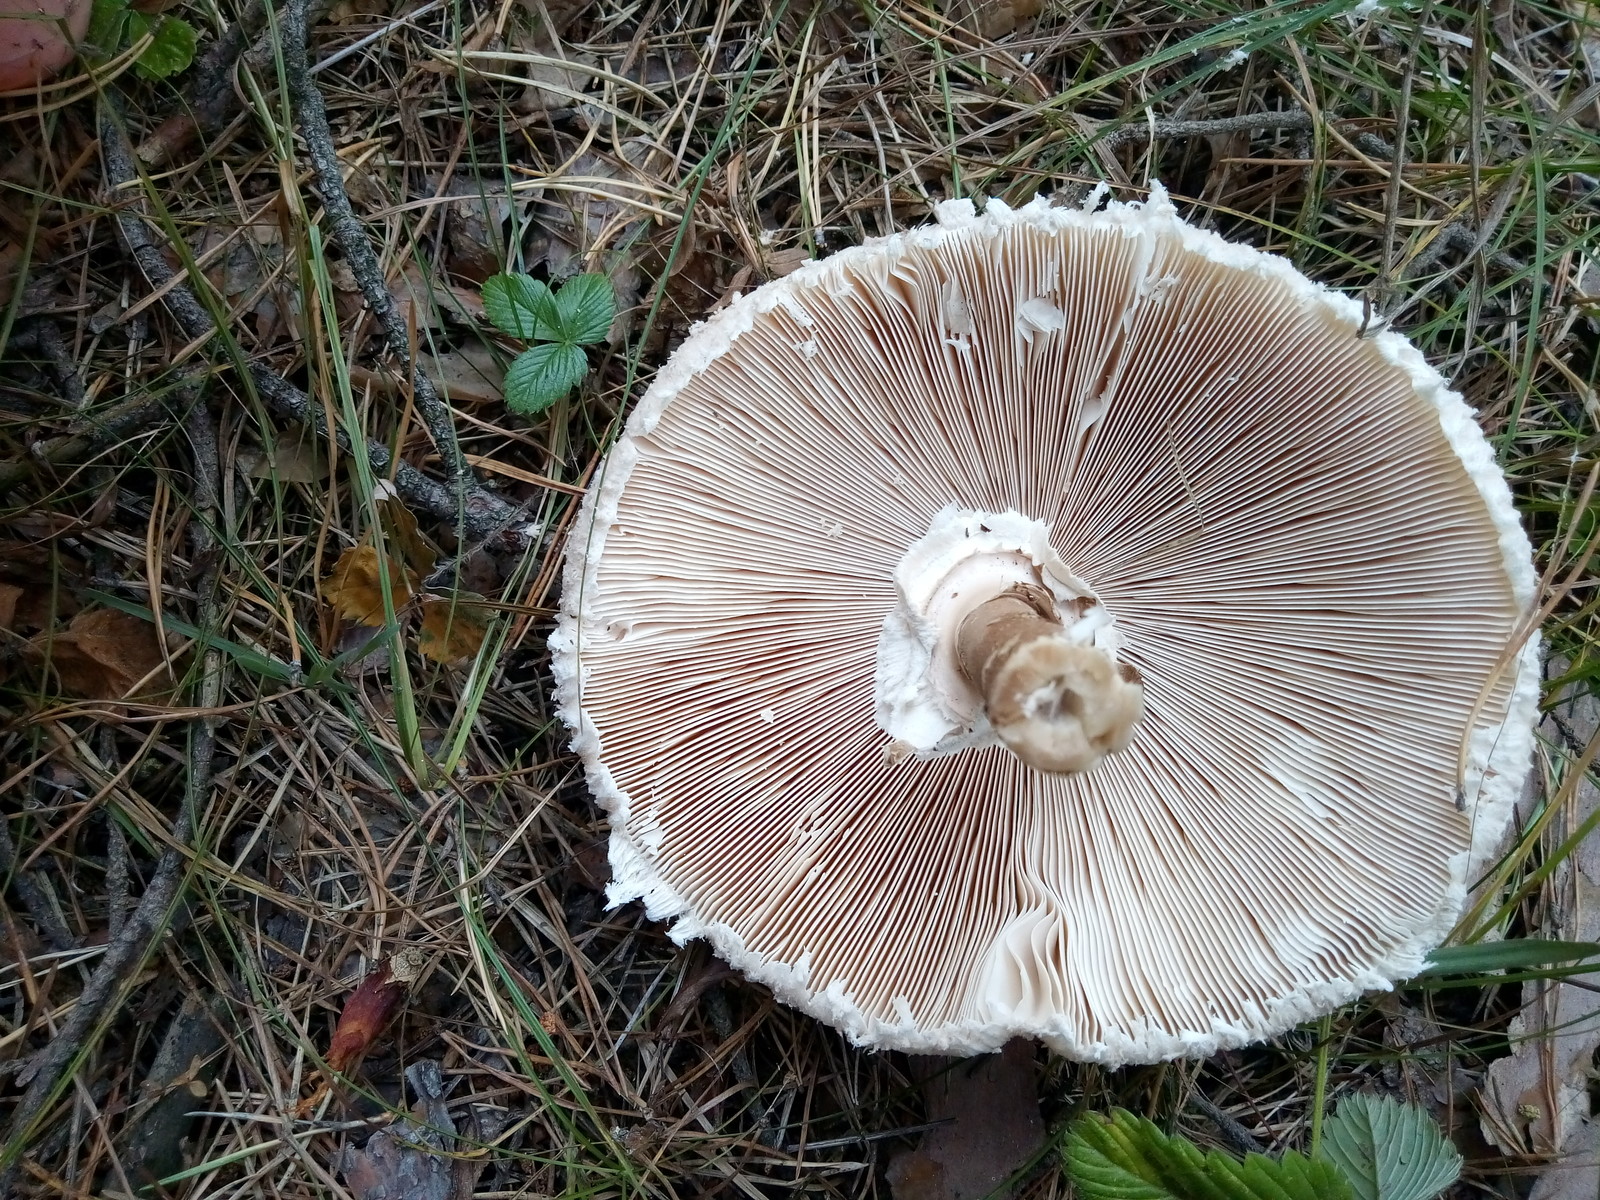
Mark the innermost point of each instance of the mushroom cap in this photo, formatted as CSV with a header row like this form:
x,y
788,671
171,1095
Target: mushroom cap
x,y
38,38
1309,553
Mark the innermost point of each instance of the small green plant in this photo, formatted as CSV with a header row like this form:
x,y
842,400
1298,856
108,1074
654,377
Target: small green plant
x,y
116,24
559,323
1372,1149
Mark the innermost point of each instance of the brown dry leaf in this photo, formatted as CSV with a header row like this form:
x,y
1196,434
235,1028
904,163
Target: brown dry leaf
x,y
475,226
355,589
295,457
104,654
471,374
551,86
10,260
429,301
1536,1101
401,533
995,18
452,628
989,1109
10,596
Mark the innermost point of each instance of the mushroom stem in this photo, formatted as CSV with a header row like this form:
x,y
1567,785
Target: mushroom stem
x,y
1058,706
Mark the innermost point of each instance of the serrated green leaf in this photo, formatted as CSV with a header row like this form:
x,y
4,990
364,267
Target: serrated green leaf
x,y
1389,1150
585,308
170,51
1509,955
1124,1157
523,307
543,374
108,19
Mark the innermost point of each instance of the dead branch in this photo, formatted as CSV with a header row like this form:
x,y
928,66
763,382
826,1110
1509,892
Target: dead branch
x,y
477,508
352,239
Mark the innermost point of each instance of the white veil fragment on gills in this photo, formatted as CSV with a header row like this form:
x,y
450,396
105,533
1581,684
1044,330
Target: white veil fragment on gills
x,y
1300,542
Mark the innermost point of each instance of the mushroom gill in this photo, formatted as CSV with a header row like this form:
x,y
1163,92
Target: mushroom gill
x,y
1298,538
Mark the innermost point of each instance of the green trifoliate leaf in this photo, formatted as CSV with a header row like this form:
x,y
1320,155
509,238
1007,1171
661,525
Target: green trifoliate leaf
x,y
543,374
1124,1157
1389,1150
523,307
171,49
585,308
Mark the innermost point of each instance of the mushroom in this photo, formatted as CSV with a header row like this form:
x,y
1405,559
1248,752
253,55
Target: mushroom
x,y
1055,623
38,38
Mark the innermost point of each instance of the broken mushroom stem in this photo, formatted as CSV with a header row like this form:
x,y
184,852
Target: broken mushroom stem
x,y
1057,705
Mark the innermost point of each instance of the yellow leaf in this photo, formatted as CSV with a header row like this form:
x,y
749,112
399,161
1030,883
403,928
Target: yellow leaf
x,y
355,590
452,628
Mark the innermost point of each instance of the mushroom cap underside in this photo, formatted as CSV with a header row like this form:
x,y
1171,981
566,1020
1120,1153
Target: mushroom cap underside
x,y
1312,561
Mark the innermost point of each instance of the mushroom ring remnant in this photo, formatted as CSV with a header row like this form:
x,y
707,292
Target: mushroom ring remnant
x,y
1092,490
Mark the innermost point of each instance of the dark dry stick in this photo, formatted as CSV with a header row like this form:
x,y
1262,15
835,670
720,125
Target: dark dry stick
x,y
352,239
32,895
85,436
482,510
144,925
1239,1139
1291,119
42,334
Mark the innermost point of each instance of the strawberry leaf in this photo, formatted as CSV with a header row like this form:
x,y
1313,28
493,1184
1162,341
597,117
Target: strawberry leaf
x,y
523,307
543,374
585,308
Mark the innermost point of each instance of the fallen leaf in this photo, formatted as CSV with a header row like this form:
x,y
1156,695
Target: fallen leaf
x,y
988,1109
995,18
367,1010
471,374
355,587
104,654
453,628
551,85
400,532
1536,1101
476,241
10,597
428,301
294,457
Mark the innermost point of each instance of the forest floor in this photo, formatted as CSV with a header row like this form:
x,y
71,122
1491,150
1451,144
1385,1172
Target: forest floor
x,y
226,807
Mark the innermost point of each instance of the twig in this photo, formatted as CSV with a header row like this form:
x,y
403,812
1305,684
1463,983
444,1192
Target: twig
x,y
481,510
352,239
1290,119
41,334
135,940
32,896
90,433
1236,1135
116,876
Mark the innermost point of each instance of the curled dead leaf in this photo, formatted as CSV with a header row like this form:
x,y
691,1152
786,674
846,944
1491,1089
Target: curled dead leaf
x,y
10,597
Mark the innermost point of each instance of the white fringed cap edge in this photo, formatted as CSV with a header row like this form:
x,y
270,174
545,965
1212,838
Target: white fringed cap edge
x,y
1490,795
